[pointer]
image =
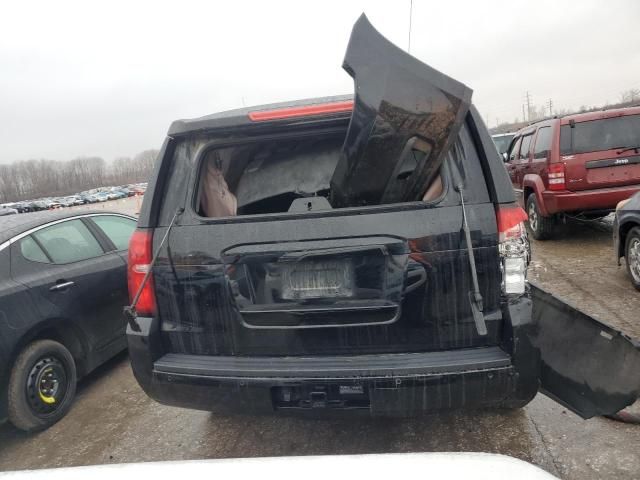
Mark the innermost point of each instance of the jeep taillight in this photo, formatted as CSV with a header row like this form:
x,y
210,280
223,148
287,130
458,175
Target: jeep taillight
x,y
140,256
556,176
513,247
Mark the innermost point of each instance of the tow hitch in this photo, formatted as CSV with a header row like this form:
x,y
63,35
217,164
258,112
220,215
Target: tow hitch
x,y
332,396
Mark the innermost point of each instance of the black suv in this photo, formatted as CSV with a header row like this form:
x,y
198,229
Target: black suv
x,y
363,254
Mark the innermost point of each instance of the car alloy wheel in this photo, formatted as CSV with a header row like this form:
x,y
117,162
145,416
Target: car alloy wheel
x,y
533,216
633,259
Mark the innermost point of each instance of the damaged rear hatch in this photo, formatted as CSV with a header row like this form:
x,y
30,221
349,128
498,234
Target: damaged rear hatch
x,y
334,227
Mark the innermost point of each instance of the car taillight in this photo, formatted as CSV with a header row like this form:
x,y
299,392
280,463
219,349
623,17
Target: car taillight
x,y
140,256
513,247
556,176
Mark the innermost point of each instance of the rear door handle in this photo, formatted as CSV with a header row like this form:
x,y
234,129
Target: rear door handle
x,y
61,286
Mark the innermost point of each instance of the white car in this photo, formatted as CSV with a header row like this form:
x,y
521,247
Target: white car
x,y
450,466
502,141
6,210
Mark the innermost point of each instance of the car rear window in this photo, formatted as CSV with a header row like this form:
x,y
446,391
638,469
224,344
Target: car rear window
x,y
117,229
295,175
597,135
32,251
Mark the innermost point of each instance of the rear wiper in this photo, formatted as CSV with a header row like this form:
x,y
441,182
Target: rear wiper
x,y
475,297
626,149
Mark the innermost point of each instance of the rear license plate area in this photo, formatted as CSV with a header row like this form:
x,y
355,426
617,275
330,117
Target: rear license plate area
x,y
318,279
342,286
320,396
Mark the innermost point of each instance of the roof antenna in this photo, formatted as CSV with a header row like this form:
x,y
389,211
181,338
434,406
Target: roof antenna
x,y
410,16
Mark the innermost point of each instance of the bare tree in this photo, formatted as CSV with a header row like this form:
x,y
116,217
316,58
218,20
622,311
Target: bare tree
x,y
32,179
631,95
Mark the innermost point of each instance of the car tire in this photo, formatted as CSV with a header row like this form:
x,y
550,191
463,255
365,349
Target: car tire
x,y
541,228
632,256
514,404
42,385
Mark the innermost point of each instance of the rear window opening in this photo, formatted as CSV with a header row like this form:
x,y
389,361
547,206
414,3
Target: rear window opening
x,y
286,175
599,135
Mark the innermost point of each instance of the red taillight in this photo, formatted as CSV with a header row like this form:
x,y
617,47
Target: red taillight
x,y
140,256
556,176
302,111
513,248
510,221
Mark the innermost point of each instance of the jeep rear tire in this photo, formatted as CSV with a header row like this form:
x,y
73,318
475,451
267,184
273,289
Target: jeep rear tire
x,y
542,228
42,385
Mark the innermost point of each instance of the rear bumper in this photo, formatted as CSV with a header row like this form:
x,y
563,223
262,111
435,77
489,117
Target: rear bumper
x,y
582,201
382,384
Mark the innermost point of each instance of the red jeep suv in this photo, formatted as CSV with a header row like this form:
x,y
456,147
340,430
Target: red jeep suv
x,y
581,164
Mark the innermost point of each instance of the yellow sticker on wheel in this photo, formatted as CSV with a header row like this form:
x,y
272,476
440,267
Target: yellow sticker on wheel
x,y
46,399
43,397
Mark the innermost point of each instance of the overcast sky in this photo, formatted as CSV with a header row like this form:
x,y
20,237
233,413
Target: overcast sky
x,y
80,79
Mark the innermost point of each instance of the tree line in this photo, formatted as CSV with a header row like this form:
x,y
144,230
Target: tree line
x,y
31,179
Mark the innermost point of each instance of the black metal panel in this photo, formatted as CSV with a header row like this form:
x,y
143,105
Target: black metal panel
x,y
588,366
495,175
400,105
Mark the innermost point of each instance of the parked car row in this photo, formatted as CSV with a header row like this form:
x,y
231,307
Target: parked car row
x,y
7,209
92,196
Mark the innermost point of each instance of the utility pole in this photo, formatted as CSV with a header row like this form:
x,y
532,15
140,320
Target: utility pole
x,y
410,18
524,119
550,105
528,97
